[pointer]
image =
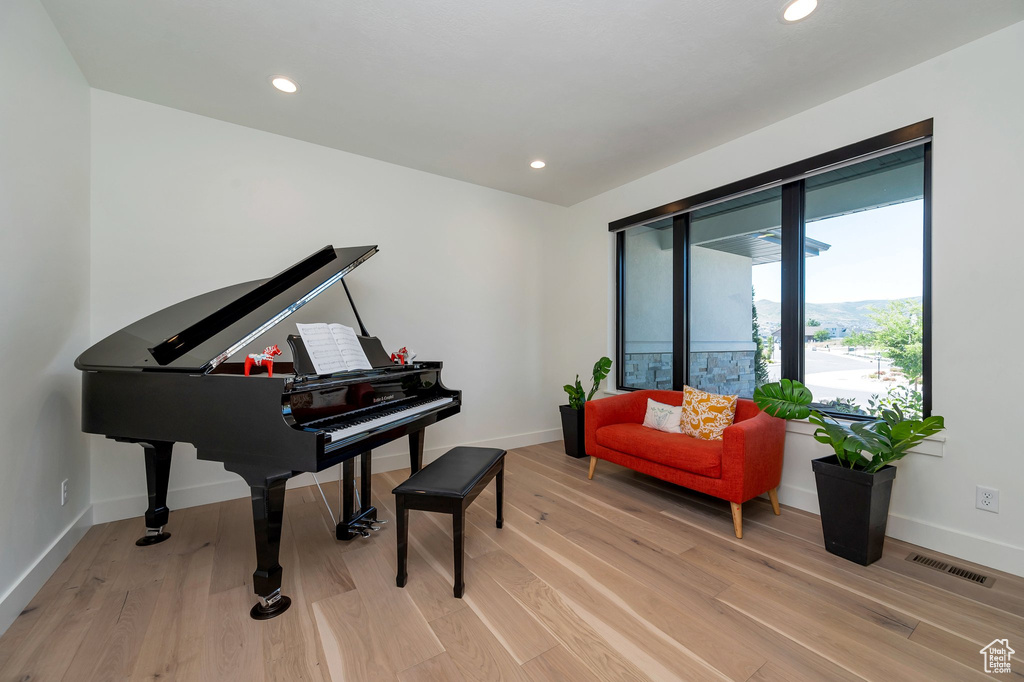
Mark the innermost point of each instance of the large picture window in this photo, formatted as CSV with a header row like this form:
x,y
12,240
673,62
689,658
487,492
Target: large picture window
x,y
817,271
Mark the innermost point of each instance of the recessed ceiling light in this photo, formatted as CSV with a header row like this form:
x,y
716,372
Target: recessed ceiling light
x,y
537,164
798,9
283,84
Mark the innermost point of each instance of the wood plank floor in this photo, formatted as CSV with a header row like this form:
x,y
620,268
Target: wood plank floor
x,y
619,578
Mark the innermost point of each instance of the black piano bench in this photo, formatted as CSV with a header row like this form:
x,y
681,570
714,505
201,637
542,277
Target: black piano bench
x,y
448,485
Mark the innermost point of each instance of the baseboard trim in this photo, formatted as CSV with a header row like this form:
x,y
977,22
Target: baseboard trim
x,y
979,550
104,511
18,596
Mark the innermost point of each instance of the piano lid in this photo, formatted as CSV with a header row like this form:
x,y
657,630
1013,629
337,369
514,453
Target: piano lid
x,y
198,334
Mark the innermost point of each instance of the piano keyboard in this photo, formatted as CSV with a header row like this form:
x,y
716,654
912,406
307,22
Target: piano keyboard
x,y
398,414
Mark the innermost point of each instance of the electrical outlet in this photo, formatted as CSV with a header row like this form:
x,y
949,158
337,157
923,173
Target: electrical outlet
x,y
64,492
987,499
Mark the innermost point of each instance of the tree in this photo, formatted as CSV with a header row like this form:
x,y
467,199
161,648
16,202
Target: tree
x,y
900,334
813,323
822,335
861,339
760,354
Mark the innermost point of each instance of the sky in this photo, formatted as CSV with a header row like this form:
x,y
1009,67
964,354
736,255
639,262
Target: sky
x,y
874,254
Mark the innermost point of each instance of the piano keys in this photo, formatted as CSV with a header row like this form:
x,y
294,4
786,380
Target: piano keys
x,y
171,378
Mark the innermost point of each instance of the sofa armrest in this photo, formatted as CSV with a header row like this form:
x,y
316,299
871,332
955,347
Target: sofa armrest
x,y
752,452
628,408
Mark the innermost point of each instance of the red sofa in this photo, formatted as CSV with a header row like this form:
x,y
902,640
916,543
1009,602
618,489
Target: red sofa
x,y
747,462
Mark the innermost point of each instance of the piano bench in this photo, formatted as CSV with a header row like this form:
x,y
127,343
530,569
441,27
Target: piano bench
x,y
448,485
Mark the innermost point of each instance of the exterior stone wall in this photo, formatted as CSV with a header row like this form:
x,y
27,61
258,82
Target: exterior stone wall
x,y
648,370
725,372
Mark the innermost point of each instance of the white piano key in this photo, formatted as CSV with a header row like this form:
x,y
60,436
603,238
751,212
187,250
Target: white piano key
x,y
378,422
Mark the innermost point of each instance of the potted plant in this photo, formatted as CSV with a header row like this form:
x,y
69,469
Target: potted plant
x,y
855,483
572,414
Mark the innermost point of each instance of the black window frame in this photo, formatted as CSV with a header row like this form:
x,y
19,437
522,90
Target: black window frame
x,y
791,179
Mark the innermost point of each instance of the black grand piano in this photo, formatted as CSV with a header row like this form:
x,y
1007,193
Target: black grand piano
x,y
168,378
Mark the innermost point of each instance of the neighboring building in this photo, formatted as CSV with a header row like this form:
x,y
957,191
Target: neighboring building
x,y
809,332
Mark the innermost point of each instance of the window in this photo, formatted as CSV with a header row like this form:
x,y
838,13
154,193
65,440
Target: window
x,y
817,271
734,244
647,306
864,275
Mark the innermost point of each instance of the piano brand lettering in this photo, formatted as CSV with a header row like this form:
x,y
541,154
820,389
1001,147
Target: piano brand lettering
x,y
382,398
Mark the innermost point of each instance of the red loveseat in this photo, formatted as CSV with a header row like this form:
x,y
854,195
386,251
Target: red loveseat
x,y
747,462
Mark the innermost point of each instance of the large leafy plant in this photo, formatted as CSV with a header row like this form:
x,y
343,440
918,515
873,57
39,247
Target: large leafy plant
x,y
577,396
864,445
890,438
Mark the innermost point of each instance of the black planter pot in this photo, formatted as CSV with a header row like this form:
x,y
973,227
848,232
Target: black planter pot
x,y
854,508
572,431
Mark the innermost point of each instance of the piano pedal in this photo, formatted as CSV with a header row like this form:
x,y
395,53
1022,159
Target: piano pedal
x,y
359,525
153,536
365,525
269,607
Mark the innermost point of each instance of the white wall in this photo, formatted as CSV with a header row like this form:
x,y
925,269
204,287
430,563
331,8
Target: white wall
x,y
44,299
974,95
183,204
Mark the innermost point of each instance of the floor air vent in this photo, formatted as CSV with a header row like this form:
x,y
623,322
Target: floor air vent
x,y
957,571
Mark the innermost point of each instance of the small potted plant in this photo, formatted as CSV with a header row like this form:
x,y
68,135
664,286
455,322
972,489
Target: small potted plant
x,y
572,414
855,483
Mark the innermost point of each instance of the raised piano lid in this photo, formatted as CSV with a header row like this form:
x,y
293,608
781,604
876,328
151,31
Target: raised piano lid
x,y
198,334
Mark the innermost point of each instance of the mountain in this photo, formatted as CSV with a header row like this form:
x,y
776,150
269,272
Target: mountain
x,y
854,315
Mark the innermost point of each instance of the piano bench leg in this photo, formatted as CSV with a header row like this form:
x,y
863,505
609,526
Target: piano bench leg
x,y
499,492
459,542
403,542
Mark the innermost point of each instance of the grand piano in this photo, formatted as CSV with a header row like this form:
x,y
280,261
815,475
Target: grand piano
x,y
172,378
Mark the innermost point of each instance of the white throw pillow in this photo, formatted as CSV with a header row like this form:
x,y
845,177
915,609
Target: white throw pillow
x,y
663,417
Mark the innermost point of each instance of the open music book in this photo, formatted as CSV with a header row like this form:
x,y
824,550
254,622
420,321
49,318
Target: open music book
x,y
333,348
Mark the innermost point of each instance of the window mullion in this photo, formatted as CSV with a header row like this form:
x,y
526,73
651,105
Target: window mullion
x,y
792,314
620,332
680,301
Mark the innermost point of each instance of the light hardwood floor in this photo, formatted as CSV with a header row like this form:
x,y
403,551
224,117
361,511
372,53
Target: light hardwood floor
x,y
618,578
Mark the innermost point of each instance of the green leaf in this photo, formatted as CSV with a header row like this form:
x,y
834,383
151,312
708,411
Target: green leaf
x,y
601,369
785,399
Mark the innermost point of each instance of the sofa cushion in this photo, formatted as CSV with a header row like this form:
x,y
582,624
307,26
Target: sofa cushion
x,y
677,450
662,417
707,415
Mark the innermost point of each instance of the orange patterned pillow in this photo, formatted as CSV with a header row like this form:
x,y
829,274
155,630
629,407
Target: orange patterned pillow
x,y
707,415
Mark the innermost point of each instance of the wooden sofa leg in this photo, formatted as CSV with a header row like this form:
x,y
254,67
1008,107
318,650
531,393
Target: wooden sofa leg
x,y
593,465
737,518
773,495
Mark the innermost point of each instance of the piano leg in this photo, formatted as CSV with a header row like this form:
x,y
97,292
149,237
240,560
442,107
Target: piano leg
x,y
353,523
267,517
158,471
416,451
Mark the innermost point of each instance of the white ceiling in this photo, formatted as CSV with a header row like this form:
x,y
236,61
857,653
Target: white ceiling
x,y
605,91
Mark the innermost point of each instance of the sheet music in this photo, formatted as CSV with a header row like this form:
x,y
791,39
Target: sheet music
x,y
322,348
351,350
333,348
